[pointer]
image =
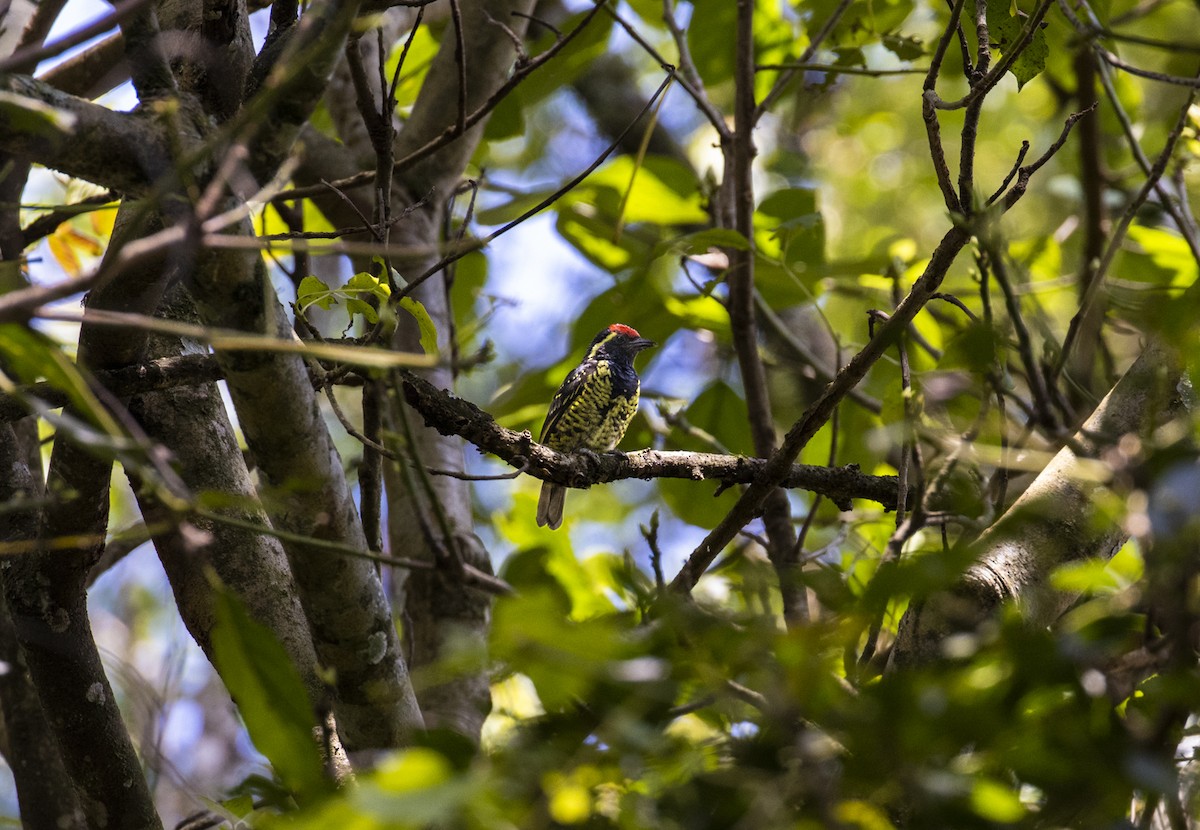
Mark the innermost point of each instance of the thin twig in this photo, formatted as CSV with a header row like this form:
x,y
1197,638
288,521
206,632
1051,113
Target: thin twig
x,y
933,130
715,119
814,44
474,245
650,534
1117,236
1026,172
33,55
460,60
1011,173
835,69
451,133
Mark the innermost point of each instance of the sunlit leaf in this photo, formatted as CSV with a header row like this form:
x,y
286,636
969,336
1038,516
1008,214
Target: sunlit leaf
x,y
790,229
33,117
660,191
996,802
425,323
416,65
313,291
564,659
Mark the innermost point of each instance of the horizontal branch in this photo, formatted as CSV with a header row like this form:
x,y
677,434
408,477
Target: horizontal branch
x,y
165,373
451,415
121,151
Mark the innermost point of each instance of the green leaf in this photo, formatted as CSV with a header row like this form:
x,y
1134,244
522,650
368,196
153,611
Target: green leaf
x,y
506,211
1167,251
863,22
1005,23
31,117
975,349
1089,576
361,289
314,292
269,694
572,61
355,306
661,191
710,39
720,412
996,802
420,56
507,119
470,277
412,305
592,237
565,659
904,47
364,283
789,228
32,356
717,414
424,322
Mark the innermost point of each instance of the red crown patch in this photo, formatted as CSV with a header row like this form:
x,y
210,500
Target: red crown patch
x,y
621,328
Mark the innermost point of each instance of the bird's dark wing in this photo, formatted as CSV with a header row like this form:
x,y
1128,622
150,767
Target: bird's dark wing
x,y
563,398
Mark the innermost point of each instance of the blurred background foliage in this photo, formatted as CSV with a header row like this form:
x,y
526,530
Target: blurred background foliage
x,y
617,706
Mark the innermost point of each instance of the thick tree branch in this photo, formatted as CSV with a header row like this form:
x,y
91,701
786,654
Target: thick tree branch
x,y
64,133
738,186
92,72
441,610
126,382
451,415
46,588
295,84
45,791
409,155
343,598
193,424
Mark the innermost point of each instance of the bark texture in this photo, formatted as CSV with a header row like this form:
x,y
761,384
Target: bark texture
x,y
308,494
443,612
45,791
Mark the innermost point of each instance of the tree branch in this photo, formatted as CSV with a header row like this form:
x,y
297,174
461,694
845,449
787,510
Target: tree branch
x,y
45,791
739,152
451,415
819,412
67,132
343,598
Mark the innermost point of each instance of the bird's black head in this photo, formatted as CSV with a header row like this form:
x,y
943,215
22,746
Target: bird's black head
x,y
618,342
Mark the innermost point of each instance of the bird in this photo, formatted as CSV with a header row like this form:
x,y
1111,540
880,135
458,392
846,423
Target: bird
x,y
592,408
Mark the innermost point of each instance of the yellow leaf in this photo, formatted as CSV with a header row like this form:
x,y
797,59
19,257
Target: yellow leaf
x,y
102,221
64,254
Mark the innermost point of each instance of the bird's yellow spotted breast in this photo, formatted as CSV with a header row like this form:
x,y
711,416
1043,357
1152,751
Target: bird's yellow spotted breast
x,y
594,420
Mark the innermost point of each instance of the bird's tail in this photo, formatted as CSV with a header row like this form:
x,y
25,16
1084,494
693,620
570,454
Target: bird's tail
x,y
550,505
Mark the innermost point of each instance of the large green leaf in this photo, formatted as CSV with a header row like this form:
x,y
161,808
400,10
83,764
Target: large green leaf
x,y
270,695
1005,23
710,37
790,231
717,422
660,190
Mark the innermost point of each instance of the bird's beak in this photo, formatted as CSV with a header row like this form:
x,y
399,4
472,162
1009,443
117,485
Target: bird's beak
x,y
642,343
